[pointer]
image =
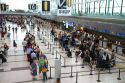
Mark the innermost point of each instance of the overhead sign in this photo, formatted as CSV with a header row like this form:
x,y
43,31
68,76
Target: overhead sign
x,y
32,6
64,8
3,7
45,5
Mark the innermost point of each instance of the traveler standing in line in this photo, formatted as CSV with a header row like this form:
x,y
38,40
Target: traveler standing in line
x,y
8,34
16,29
5,29
14,45
113,58
34,68
2,35
13,29
44,71
24,43
6,47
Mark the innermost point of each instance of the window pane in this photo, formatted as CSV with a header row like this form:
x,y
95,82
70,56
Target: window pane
x,y
110,7
123,2
97,8
123,10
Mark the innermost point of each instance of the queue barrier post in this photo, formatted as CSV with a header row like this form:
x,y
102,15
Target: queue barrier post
x,y
64,62
43,40
71,71
56,54
109,70
50,73
99,76
48,45
60,57
91,71
76,77
76,59
119,78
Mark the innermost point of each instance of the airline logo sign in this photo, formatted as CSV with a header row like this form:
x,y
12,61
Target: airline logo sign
x,y
63,8
32,6
3,7
45,5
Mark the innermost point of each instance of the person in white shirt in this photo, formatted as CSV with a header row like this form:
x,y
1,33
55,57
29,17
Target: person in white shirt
x,y
24,43
104,56
33,55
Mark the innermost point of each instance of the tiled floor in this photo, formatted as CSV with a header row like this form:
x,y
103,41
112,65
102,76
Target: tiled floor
x,y
16,70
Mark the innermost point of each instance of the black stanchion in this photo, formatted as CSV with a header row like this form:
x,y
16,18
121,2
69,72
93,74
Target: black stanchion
x,y
76,77
64,62
99,76
71,72
56,54
45,42
119,78
50,73
76,59
56,43
52,38
60,57
82,65
91,71
48,45
45,33
109,70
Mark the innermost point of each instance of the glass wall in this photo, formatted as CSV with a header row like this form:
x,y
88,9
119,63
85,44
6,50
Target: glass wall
x,y
99,7
123,9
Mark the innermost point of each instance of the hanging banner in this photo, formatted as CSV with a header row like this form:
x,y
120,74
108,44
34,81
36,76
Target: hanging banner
x,y
64,8
3,7
29,6
45,5
7,7
33,6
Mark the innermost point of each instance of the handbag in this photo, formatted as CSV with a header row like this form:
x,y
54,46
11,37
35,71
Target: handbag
x,y
44,69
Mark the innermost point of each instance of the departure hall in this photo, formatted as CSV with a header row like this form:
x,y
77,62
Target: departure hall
x,y
62,41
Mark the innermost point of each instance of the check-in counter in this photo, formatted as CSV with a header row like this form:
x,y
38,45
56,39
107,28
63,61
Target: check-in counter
x,y
120,49
114,47
104,43
109,45
100,43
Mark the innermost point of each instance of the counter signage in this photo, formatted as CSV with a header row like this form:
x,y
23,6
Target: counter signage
x,y
63,8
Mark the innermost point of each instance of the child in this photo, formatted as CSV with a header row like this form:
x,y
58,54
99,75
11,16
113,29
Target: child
x,y
44,71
